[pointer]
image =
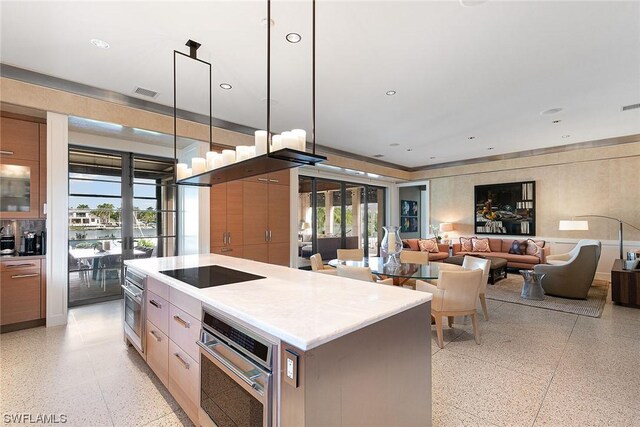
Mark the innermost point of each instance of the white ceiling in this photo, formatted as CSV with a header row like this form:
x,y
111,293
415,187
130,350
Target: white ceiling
x,y
485,71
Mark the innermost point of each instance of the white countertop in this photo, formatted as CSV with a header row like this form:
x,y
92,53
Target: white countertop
x,y
302,308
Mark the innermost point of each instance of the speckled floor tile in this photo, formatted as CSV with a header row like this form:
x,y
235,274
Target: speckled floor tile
x,y
531,356
178,418
565,406
136,399
449,416
589,327
497,395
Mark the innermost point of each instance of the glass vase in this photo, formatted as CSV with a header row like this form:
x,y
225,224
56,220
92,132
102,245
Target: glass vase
x,y
391,245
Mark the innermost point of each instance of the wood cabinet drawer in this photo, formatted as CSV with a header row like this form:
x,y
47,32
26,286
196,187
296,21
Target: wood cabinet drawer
x,y
186,303
158,311
19,139
158,352
20,265
19,295
184,380
184,330
158,288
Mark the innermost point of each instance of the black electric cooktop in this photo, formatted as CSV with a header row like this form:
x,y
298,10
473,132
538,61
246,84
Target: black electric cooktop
x,y
210,275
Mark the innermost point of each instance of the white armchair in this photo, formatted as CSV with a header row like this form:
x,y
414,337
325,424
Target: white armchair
x,y
318,266
455,295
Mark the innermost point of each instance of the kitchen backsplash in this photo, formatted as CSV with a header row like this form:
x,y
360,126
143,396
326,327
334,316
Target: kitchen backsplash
x,y
19,226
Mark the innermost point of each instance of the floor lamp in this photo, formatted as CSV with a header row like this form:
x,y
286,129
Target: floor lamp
x,y
584,225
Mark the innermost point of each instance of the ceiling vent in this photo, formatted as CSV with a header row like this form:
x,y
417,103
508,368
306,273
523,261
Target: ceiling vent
x,y
145,92
630,107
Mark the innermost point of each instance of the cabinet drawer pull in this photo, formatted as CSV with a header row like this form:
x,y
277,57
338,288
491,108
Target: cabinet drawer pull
x,y
263,179
7,152
156,336
226,250
155,304
274,180
20,276
28,264
183,322
224,238
181,360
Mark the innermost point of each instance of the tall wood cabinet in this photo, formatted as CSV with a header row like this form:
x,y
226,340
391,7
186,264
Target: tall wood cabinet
x,y
263,214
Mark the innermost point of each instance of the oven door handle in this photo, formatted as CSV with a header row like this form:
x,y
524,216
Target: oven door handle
x,y
137,297
209,348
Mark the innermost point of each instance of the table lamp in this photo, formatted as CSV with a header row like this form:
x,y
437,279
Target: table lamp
x,y
445,227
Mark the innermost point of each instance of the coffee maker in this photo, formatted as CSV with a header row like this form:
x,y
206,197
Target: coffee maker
x,y
29,242
7,241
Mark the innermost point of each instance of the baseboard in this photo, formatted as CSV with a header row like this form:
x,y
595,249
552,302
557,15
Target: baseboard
x,y
603,276
22,325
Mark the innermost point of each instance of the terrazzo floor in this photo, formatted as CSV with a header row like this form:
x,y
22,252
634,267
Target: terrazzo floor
x,y
534,367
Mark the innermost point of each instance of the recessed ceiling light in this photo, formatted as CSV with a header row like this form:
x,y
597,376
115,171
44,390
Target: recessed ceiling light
x,y
566,136
225,86
471,137
431,158
409,149
551,111
555,122
293,37
100,43
490,148
263,21
391,92
395,144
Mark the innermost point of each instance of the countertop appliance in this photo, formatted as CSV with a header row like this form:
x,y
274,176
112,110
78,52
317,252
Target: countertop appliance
x,y
134,309
7,241
29,243
234,361
210,275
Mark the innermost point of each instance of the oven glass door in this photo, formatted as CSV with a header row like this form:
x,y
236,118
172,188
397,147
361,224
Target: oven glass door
x,y
133,312
225,401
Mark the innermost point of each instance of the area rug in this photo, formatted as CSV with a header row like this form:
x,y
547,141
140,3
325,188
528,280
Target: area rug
x,y
508,290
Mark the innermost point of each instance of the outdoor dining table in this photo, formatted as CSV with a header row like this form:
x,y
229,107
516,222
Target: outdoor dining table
x,y
401,272
95,256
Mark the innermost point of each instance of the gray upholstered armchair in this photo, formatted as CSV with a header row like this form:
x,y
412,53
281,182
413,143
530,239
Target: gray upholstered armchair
x,y
570,275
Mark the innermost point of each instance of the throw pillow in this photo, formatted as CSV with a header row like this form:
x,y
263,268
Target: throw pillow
x,y
429,245
405,244
534,248
466,244
518,248
480,245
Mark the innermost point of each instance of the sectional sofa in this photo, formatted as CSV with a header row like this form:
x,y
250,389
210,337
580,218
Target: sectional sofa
x,y
500,248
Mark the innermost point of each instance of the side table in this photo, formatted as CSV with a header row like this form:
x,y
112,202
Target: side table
x,y
625,285
532,287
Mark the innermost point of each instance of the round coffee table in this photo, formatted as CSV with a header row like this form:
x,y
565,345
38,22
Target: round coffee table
x,y
497,270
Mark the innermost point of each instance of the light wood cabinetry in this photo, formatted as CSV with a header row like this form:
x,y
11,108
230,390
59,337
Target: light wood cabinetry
x,y
172,330
23,168
250,218
20,291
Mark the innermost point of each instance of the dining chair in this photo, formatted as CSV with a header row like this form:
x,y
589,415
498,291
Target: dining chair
x,y
455,295
350,254
360,273
413,257
471,263
318,266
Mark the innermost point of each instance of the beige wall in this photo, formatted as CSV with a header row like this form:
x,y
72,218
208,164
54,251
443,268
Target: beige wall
x,y
599,181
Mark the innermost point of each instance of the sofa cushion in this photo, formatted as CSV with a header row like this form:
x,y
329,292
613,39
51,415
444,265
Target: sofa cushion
x,y
522,259
518,247
428,245
495,245
413,244
438,256
534,247
480,245
466,244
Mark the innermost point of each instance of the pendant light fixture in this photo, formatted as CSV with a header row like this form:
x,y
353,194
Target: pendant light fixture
x,y
270,153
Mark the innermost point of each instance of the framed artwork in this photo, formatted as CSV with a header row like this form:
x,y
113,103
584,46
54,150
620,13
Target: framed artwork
x,y
409,224
408,208
508,208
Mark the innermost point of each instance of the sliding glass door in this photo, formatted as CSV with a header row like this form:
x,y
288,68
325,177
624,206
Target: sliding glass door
x,y
121,206
338,215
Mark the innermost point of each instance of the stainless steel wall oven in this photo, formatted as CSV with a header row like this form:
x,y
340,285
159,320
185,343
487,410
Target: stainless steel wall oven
x,y
134,309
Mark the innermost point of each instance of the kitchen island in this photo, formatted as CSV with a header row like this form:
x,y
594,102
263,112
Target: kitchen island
x,y
345,352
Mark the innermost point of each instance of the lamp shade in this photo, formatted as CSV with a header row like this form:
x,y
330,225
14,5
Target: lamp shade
x,y
445,227
572,225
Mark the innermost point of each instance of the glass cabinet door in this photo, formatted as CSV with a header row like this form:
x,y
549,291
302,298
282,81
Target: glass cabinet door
x,y
19,188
